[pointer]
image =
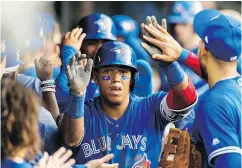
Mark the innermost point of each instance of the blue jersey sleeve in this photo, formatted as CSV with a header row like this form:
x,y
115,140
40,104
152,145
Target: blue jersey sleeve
x,y
30,82
217,128
51,143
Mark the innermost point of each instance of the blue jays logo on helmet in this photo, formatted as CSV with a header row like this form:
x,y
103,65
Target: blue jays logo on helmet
x,y
120,51
126,26
98,26
103,25
115,53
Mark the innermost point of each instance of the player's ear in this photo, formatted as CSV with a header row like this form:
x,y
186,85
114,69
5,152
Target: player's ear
x,y
203,49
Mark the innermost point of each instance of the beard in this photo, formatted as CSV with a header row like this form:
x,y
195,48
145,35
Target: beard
x,y
111,102
204,72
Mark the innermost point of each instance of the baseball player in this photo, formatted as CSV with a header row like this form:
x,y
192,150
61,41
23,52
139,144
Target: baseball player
x,y
118,122
217,126
128,32
98,28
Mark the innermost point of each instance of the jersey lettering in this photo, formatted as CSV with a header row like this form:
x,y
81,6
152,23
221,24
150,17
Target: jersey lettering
x,y
126,143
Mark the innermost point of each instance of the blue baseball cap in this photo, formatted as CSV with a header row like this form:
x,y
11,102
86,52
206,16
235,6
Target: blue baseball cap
x,y
183,12
221,34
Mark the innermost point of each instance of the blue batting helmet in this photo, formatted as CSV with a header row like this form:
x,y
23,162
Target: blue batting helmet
x,y
115,53
98,26
184,11
126,26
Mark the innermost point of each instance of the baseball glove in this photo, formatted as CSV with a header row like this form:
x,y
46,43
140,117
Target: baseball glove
x,y
179,152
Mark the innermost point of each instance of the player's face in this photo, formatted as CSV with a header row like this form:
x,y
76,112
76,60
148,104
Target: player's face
x,y
184,32
201,57
90,47
114,84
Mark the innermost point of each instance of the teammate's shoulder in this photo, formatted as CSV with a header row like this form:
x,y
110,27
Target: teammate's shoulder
x,y
228,84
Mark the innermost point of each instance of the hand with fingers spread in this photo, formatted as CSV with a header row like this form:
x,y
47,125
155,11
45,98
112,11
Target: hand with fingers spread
x,y
60,159
100,163
74,38
149,47
164,41
78,73
44,68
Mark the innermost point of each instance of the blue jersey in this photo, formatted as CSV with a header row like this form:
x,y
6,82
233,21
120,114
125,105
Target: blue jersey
x,y
134,139
6,163
50,139
29,82
217,126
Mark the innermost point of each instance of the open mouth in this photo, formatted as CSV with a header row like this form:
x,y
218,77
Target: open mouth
x,y
115,90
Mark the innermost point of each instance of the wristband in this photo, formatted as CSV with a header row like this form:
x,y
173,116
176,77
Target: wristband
x,y
174,73
48,82
48,89
75,106
183,56
48,86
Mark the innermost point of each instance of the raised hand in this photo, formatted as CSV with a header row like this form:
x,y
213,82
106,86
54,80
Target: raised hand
x,y
100,163
44,68
60,159
149,47
160,38
78,73
74,38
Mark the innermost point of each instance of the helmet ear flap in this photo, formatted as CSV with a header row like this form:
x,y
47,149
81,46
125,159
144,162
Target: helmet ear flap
x,y
134,78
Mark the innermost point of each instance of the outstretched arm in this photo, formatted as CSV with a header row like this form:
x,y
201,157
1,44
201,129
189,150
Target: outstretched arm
x,y
44,70
72,125
171,49
182,92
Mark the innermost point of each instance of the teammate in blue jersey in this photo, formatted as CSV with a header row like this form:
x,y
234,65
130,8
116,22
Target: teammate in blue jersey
x,y
98,29
118,122
217,127
218,121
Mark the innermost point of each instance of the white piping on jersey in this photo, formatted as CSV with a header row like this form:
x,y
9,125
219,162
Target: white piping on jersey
x,y
229,78
228,149
108,120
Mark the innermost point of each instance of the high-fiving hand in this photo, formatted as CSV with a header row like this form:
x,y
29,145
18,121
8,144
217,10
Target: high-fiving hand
x,y
78,73
167,48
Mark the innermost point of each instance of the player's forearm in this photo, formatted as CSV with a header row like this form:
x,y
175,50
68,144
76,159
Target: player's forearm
x,y
190,59
50,104
71,131
72,124
182,92
182,98
67,52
